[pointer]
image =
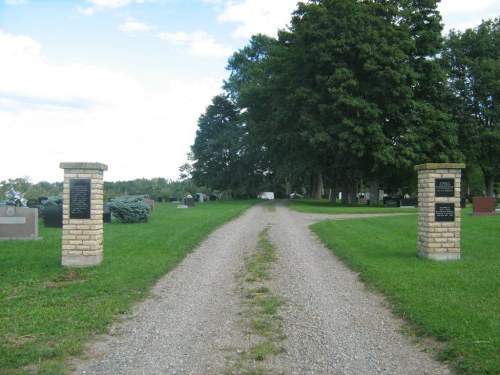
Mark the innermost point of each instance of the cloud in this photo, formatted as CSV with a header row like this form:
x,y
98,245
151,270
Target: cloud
x,y
131,27
15,2
463,14
55,113
258,16
198,43
100,5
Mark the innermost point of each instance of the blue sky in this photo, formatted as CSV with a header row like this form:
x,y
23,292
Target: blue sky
x,y
123,82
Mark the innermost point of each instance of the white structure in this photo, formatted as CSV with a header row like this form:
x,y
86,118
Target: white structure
x,y
266,195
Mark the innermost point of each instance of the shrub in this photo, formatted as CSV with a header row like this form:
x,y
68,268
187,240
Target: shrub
x,y
129,209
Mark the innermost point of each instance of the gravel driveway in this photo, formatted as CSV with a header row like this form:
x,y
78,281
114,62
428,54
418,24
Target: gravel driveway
x,y
195,321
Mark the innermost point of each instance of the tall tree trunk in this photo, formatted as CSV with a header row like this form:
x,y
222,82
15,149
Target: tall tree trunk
x,y
318,186
374,190
353,190
288,188
489,181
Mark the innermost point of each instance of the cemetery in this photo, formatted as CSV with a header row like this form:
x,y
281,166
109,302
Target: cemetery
x,y
339,209
209,214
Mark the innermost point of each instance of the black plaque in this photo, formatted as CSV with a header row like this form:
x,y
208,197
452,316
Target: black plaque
x,y
444,211
445,187
79,199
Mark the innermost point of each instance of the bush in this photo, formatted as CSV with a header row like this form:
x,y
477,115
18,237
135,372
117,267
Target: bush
x,y
129,209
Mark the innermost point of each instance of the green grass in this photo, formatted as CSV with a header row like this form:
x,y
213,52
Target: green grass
x,y
262,304
48,312
455,302
324,206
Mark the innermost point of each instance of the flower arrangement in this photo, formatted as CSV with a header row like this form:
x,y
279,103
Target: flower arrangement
x,y
15,198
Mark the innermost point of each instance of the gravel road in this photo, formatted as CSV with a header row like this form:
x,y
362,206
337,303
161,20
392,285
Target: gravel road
x,y
195,321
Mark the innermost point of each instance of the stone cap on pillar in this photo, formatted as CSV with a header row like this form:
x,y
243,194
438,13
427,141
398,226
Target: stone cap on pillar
x,y
426,166
84,165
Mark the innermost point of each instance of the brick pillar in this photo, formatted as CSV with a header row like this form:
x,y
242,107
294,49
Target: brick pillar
x,y
82,234
439,210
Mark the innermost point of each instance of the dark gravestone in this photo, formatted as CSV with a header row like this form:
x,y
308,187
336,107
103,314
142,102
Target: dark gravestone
x,y
172,199
463,203
53,216
33,203
213,197
392,202
188,202
409,202
79,199
160,199
444,211
106,213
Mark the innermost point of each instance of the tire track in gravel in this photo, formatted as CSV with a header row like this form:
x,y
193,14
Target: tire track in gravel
x,y
193,324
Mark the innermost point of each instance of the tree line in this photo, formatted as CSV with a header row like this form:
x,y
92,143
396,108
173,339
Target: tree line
x,y
351,96
155,188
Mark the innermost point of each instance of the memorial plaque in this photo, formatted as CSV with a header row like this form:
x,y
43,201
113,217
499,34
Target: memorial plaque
x,y
79,199
445,187
444,211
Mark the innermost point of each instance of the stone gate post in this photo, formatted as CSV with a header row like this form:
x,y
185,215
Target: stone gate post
x,y
439,210
82,234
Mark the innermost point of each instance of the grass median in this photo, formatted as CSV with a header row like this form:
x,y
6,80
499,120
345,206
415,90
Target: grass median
x,y
47,312
457,303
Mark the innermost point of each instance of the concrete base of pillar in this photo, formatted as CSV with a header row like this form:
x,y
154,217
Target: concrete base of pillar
x,y
439,256
81,260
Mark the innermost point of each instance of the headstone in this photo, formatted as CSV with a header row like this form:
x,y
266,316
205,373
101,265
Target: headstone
x,y
106,213
391,202
33,203
189,202
483,205
53,216
409,202
463,203
18,223
172,199
439,210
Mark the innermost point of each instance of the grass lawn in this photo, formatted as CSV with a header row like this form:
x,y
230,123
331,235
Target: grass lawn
x,y
457,302
48,312
325,206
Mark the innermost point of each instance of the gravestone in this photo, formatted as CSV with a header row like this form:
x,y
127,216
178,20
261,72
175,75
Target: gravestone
x,y
82,234
189,202
409,202
483,205
106,213
53,216
439,210
391,202
18,223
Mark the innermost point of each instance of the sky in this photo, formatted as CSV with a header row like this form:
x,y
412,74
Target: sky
x,y
123,82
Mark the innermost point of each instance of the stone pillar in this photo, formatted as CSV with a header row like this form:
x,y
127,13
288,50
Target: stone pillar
x,y
439,210
82,234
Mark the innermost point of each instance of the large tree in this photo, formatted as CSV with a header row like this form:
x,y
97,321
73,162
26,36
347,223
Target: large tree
x,y
473,58
222,157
